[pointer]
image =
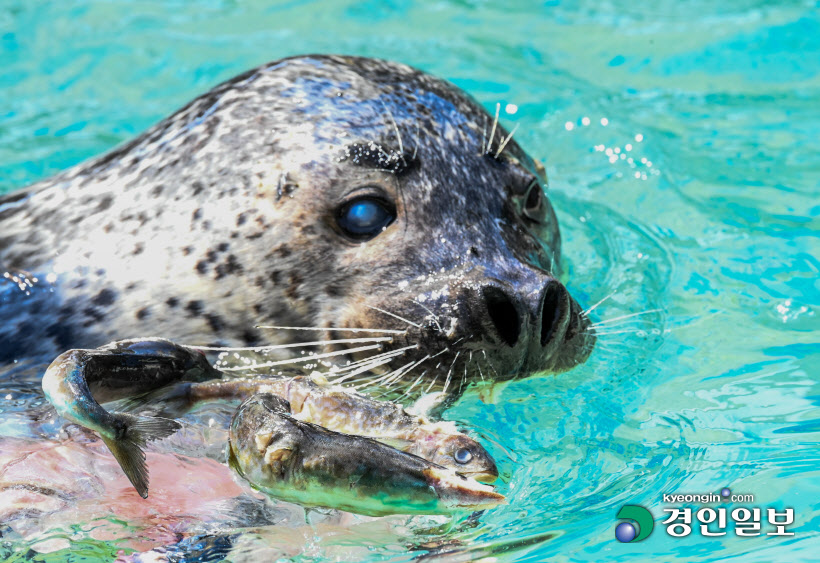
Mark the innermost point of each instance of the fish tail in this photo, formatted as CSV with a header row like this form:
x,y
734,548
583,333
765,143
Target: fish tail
x,y
127,450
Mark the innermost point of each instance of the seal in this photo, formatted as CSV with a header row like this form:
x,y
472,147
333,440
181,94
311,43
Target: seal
x,y
333,192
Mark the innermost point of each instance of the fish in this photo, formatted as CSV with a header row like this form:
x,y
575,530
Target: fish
x,y
312,399
77,381
168,378
301,462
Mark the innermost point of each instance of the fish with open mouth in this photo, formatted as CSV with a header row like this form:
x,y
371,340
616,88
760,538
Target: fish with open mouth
x,y
313,399
78,380
300,462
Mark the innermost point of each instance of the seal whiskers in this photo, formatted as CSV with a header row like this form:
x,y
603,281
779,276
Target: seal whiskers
x,y
587,311
622,317
291,345
487,149
411,323
506,140
303,359
368,364
325,328
450,372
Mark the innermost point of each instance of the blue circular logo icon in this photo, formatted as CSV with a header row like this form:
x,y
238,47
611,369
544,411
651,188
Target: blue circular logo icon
x,y
625,532
725,492
639,524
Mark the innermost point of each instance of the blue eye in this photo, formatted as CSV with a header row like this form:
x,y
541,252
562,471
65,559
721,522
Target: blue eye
x,y
364,218
463,456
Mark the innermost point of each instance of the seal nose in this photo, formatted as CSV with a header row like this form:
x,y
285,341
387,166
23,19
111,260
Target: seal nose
x,y
503,313
554,304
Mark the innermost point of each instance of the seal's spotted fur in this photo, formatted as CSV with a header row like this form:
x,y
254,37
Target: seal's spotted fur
x,y
221,217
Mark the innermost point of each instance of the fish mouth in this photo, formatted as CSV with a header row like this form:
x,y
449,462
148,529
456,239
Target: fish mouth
x,y
480,476
458,491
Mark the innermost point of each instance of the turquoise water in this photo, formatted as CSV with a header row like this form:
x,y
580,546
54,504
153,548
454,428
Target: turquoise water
x,y
708,226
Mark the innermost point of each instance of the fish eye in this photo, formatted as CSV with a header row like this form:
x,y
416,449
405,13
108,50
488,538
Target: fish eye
x,y
463,455
364,218
534,202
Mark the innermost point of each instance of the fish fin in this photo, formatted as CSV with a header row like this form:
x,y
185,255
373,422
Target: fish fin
x,y
132,461
142,429
128,450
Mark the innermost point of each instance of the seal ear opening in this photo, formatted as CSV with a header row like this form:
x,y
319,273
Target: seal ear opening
x,y
503,314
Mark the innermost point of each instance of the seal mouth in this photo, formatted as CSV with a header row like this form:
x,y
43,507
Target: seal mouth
x,y
487,335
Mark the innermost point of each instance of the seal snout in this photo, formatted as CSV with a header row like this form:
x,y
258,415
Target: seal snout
x,y
538,317
528,325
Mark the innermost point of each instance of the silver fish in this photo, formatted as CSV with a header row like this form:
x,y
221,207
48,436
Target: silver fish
x,y
313,400
79,380
300,462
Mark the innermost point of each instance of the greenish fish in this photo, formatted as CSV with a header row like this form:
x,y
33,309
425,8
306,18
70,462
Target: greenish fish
x,y
300,462
313,399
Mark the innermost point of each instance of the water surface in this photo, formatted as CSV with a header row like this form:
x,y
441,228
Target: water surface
x,y
681,144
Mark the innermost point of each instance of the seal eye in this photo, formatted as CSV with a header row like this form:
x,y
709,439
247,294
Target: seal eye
x,y
534,203
363,218
463,456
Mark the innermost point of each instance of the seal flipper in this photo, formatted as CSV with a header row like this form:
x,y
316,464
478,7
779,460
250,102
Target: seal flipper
x,y
127,450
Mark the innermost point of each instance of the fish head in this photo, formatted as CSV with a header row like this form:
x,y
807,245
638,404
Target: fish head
x,y
465,456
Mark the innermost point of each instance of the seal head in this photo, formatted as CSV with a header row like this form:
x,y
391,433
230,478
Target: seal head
x,y
322,191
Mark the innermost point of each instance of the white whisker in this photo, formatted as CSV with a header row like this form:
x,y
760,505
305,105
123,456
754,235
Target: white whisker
x,y
431,384
628,331
395,128
506,140
292,345
303,359
492,367
450,371
408,370
416,382
364,369
607,321
586,312
393,315
484,149
492,131
432,314
388,354
463,378
321,328
374,362
385,376
394,375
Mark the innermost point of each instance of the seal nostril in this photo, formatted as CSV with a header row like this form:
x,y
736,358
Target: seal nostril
x,y
503,314
551,310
